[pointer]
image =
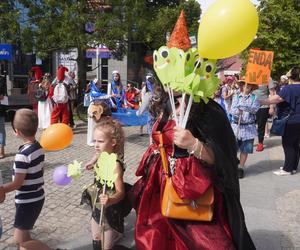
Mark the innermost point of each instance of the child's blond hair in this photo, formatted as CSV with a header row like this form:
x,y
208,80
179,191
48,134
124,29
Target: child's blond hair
x,y
115,131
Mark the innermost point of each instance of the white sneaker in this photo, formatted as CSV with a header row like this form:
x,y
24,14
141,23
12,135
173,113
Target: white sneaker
x,y
267,135
281,172
91,144
293,172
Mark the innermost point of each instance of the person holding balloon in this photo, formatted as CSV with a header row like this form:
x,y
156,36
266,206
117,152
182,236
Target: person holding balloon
x,y
28,174
188,194
108,137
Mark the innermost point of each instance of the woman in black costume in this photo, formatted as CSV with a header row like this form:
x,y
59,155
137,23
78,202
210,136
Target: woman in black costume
x,y
227,230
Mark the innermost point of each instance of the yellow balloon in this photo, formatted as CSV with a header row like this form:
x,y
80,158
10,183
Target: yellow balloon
x,y
227,28
56,137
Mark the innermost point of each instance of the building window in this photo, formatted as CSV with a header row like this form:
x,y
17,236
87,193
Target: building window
x,y
89,64
104,70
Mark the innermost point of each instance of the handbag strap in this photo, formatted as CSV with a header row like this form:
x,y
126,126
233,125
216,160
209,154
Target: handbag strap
x,y
163,155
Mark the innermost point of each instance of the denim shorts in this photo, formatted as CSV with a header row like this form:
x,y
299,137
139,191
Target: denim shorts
x,y
2,131
245,146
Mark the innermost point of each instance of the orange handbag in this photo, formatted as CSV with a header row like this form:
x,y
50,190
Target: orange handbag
x,y
174,207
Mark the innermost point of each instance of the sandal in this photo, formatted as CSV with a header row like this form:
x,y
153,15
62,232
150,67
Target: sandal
x,y
2,156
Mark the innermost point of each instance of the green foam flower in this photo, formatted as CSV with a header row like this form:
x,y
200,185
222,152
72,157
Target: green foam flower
x,y
74,169
105,169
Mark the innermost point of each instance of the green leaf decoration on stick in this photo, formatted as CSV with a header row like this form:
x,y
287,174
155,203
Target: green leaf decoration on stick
x,y
74,169
105,169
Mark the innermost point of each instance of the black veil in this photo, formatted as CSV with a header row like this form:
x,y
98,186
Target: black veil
x,y
209,123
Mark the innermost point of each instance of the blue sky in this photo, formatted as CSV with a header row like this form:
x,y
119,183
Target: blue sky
x,y
205,3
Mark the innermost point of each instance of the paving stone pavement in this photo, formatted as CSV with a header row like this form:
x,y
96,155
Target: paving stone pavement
x,y
271,203
63,219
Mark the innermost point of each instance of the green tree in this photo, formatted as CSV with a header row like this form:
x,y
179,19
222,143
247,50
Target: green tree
x,y
279,31
9,24
157,19
61,25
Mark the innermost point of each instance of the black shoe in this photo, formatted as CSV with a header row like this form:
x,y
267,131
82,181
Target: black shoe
x,y
97,245
240,173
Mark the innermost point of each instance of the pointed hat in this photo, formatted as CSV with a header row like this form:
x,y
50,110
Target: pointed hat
x,y
60,75
37,72
180,36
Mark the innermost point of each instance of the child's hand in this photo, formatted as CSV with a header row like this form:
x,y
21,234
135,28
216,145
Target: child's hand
x,y
104,199
89,166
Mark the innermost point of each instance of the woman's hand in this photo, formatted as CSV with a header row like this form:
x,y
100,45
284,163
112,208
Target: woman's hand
x,y
104,199
183,138
272,110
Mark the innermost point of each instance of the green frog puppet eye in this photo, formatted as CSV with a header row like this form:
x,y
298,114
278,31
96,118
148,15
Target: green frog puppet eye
x,y
181,53
208,68
164,53
188,56
197,63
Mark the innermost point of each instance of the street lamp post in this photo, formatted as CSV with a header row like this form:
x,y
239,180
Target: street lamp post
x,y
97,62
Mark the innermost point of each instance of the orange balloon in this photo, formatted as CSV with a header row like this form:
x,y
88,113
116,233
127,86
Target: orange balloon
x,y
56,137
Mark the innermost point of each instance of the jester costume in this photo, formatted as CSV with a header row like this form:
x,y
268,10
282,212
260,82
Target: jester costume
x,y
191,178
